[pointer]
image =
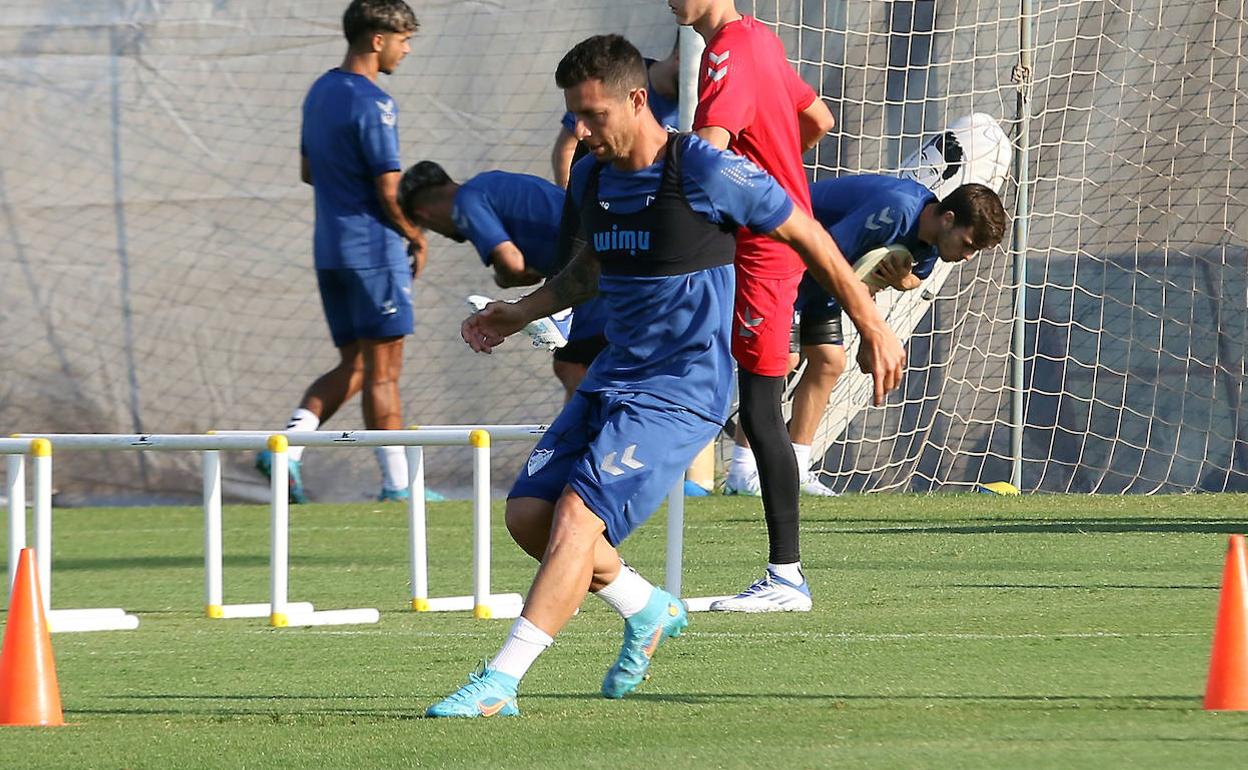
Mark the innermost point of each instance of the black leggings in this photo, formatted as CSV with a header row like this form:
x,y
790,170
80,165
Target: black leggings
x,y
763,423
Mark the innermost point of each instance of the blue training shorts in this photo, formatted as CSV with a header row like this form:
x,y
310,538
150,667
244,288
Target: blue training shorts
x,y
366,304
621,452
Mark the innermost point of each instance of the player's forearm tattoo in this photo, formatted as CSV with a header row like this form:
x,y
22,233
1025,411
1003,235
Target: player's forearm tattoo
x,y
578,281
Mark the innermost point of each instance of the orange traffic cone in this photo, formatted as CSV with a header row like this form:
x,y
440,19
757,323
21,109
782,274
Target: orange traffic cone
x,y
1228,663
28,692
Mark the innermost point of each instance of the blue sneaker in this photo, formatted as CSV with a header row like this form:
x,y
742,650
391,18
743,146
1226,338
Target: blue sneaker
x,y
402,496
294,475
489,693
664,616
393,495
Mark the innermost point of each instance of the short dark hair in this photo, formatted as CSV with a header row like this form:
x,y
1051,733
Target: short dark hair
x,y
609,58
418,182
368,17
979,208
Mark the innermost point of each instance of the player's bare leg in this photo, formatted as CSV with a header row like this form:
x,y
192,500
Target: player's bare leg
x,y
326,395
824,365
321,401
383,408
570,375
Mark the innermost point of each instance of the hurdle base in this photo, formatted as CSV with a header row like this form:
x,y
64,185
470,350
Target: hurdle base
x,y
702,603
258,610
93,619
497,606
293,619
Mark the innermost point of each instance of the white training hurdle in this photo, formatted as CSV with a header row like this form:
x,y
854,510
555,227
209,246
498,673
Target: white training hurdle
x,y
59,620
482,602
281,612
297,614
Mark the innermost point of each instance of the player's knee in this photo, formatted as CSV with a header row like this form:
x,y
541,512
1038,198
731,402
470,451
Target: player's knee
x,y
529,525
573,522
826,361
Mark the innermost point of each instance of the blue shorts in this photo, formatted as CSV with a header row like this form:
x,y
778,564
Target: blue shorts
x,y
367,304
621,452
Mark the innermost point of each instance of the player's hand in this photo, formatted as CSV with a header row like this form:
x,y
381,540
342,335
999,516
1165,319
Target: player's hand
x,y
894,272
489,327
417,252
881,355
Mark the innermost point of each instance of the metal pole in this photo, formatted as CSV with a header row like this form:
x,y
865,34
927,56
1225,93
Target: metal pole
x,y
279,544
675,537
1022,215
213,583
41,449
17,512
417,529
480,441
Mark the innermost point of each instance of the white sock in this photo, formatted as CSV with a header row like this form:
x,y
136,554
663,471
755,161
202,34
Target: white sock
x,y
525,642
301,419
742,463
393,462
802,452
790,572
628,594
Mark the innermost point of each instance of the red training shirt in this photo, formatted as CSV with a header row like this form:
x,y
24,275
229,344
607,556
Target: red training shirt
x,y
749,89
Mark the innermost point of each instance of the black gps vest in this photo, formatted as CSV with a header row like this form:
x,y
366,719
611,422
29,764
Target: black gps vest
x,y
667,237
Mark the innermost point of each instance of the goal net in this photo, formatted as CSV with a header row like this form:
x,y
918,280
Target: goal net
x,y
1135,292
155,266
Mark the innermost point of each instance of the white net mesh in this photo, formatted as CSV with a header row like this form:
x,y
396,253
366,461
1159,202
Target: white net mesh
x,y
155,270
1136,259
155,267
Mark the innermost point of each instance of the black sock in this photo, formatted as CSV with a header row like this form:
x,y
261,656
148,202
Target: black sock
x,y
763,423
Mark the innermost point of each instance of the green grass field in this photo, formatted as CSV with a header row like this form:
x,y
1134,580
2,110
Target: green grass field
x,y
948,631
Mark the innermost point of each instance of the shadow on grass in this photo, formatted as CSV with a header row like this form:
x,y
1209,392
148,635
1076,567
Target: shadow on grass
x,y
285,708
1003,526
1091,586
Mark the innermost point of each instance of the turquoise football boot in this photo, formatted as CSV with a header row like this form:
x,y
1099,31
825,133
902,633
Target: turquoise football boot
x,y
294,475
489,693
402,496
663,617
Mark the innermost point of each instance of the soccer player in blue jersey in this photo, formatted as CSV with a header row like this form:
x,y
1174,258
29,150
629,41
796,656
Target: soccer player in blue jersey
x,y
663,86
512,220
861,213
350,155
659,214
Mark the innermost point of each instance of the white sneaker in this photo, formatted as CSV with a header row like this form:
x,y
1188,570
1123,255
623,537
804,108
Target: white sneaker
x,y
770,594
745,484
811,485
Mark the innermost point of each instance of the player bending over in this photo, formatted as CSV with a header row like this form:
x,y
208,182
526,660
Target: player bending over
x,y
862,213
512,220
658,213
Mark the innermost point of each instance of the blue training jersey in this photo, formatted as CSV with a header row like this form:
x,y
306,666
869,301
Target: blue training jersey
x,y
668,317
499,206
350,137
865,211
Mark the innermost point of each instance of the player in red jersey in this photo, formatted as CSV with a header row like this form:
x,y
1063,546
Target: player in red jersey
x,y
750,100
